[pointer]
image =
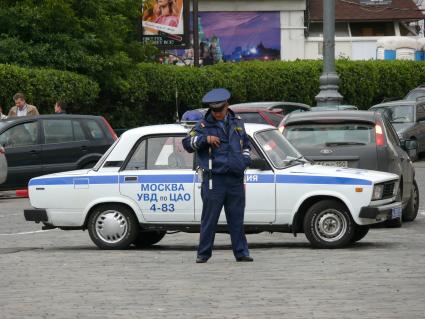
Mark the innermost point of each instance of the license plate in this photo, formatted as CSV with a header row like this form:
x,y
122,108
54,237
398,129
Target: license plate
x,y
396,212
332,163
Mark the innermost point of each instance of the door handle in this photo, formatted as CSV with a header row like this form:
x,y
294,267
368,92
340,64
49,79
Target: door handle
x,y
34,152
130,178
84,148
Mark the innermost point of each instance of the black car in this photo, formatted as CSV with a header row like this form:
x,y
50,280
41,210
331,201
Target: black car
x,y
52,143
356,139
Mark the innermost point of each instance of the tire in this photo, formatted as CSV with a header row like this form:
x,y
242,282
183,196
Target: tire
x,y
411,210
328,224
359,233
148,238
113,226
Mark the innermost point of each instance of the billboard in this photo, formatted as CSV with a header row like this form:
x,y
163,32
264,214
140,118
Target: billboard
x,y
165,23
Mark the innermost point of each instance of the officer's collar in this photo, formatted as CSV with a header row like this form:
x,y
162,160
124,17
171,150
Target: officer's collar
x,y
211,119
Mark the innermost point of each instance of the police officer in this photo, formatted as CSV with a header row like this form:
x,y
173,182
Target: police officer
x,y
223,154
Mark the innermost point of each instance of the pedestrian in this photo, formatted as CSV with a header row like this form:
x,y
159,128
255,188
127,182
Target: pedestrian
x,y
2,116
21,107
223,153
60,107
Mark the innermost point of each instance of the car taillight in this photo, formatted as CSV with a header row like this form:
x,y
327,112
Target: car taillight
x,y
110,129
379,135
281,128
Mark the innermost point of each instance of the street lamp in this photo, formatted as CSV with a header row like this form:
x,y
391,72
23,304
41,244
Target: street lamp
x,y
329,79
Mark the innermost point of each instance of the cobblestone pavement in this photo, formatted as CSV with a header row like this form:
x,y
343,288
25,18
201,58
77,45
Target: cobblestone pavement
x,y
59,274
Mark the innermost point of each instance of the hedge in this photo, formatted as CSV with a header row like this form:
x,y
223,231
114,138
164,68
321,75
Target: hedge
x,y
363,83
43,87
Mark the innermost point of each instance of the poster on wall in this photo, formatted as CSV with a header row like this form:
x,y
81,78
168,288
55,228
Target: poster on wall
x,y
236,36
165,23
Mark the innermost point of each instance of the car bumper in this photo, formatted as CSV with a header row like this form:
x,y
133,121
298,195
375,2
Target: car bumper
x,y
383,212
36,215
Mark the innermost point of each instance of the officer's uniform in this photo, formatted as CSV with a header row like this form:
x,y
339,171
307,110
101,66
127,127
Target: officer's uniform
x,y
226,175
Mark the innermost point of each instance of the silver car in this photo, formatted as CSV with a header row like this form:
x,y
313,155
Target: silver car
x,y
408,119
3,165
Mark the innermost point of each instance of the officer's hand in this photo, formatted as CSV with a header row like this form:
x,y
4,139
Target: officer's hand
x,y
213,140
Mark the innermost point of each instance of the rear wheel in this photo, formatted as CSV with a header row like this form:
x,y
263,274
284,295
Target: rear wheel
x,y
328,224
411,210
359,233
148,238
113,226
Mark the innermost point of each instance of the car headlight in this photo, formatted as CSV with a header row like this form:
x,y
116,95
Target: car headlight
x,y
378,191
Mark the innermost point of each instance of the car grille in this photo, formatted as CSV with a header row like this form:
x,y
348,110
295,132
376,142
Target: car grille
x,y
388,190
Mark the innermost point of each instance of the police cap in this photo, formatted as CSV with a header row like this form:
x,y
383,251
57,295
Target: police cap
x,y
216,98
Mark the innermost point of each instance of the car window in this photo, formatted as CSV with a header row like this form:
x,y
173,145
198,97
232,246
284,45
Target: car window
x,y
420,112
58,131
20,135
276,147
412,96
307,135
251,117
397,113
165,152
276,119
95,130
78,131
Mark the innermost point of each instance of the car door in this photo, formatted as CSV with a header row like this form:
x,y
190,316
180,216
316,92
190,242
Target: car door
x,y
159,177
64,144
420,127
260,194
23,153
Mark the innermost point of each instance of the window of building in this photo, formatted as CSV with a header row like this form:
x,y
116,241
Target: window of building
x,y
372,29
316,29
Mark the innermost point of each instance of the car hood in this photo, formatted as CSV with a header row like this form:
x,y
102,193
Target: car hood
x,y
402,127
329,174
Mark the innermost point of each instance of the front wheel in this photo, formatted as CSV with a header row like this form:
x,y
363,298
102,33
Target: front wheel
x,y
411,210
113,226
148,238
328,224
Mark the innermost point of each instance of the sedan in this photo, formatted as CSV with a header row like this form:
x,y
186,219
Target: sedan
x,y
408,118
356,139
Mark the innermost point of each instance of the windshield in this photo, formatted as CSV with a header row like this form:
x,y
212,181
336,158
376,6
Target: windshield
x,y
103,158
398,113
276,147
412,96
308,135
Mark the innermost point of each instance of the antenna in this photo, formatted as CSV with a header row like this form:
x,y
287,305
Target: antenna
x,y
177,106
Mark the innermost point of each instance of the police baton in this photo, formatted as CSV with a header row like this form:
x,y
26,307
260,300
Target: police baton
x,y
210,167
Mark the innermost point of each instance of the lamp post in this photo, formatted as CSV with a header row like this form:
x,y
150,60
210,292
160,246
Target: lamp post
x,y
329,79
195,33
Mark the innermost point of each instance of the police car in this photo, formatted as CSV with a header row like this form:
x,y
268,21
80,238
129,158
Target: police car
x,y
146,184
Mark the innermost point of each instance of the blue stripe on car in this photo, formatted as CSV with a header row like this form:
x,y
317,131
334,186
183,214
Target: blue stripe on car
x,y
189,178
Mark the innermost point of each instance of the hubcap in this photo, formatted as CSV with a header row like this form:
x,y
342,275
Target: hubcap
x,y
111,226
330,225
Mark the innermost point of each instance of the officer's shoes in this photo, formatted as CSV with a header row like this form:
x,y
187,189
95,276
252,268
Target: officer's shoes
x,y
245,259
201,260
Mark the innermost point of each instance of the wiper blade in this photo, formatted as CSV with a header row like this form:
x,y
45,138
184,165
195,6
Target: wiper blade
x,y
302,160
344,143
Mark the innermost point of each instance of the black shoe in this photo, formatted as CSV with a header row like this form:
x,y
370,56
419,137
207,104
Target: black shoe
x,y
245,259
201,260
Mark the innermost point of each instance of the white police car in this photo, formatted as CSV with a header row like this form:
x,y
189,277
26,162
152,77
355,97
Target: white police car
x,y
146,184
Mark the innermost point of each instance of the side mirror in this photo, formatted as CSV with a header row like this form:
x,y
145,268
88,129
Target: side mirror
x,y
260,164
409,145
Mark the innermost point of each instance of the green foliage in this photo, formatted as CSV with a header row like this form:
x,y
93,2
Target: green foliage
x,y
43,87
363,83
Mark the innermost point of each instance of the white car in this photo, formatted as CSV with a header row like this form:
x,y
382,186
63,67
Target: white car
x,y
146,184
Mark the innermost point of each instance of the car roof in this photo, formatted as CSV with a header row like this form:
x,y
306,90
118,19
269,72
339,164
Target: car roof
x,y
334,107
49,116
269,105
360,116
243,109
395,103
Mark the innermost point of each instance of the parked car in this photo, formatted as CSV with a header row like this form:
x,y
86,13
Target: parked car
x,y
283,107
333,108
415,93
408,119
50,144
258,115
147,184
3,165
356,139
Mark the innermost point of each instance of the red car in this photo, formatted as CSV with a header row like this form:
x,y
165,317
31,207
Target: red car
x,y
260,115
